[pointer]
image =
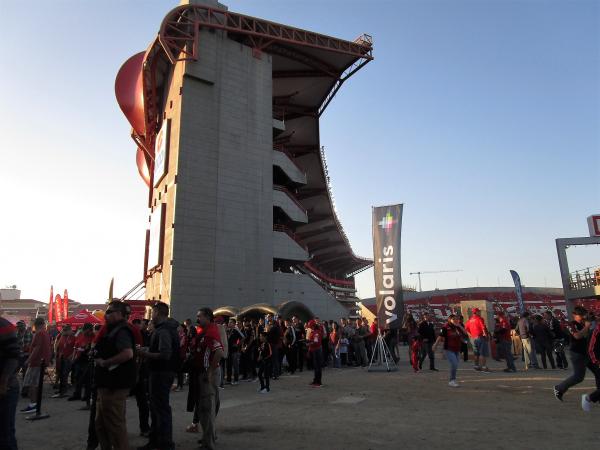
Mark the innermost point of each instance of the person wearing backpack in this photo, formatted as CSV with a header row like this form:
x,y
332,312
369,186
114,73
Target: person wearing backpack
x,y
163,363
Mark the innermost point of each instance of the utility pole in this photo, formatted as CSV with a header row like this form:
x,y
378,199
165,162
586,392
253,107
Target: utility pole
x,y
431,271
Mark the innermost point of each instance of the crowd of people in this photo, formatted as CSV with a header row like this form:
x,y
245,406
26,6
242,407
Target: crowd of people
x,y
150,358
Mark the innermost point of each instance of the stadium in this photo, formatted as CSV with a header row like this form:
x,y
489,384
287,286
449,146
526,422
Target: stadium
x,y
225,110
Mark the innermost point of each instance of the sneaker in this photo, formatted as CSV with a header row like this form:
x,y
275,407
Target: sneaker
x,y
316,385
29,408
477,368
586,405
434,369
58,395
507,370
485,369
558,394
235,383
453,384
264,391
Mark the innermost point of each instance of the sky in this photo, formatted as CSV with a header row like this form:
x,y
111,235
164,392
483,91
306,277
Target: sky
x,y
481,117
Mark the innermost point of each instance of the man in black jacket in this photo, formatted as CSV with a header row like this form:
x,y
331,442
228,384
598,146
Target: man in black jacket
x,y
163,361
427,333
115,376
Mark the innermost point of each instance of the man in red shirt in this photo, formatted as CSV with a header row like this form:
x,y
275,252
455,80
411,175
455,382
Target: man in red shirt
x,y
502,333
479,335
81,363
40,350
64,348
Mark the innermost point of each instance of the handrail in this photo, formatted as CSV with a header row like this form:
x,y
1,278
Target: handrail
x,y
290,233
330,280
283,189
279,148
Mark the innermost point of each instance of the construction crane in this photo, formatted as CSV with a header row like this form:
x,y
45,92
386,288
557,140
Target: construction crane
x,y
432,271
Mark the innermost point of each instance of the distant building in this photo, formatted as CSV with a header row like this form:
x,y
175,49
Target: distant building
x,y
10,293
27,309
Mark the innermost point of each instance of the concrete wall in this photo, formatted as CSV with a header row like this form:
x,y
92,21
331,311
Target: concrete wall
x,y
222,249
302,288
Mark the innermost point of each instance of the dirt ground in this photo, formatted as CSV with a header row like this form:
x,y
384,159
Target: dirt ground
x,y
360,410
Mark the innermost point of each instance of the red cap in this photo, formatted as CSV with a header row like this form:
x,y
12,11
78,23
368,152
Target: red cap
x,y
475,310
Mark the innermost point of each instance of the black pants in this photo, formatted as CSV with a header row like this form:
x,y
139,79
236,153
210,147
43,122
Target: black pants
x,y
276,362
83,379
561,359
464,349
292,357
427,350
317,360
264,374
301,356
247,364
161,432
545,350
143,402
92,436
579,363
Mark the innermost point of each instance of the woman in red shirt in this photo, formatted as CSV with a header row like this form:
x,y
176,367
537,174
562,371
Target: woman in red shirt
x,y
452,335
314,337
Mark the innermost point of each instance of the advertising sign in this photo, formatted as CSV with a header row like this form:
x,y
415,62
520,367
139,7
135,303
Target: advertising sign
x,y
161,152
156,233
387,225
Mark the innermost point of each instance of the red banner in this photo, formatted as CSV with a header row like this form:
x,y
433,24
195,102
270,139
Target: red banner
x,y
51,305
58,308
65,305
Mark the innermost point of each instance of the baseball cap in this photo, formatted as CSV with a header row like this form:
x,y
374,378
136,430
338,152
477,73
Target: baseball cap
x,y
475,310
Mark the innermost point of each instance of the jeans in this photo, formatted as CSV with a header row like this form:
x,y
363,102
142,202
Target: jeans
x,y
360,352
8,409
529,352
579,363
452,358
161,431
83,379
427,350
233,365
506,347
317,358
65,369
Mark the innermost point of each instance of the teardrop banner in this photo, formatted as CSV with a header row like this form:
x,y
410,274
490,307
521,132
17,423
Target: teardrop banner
x,y
518,290
58,310
387,226
51,306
